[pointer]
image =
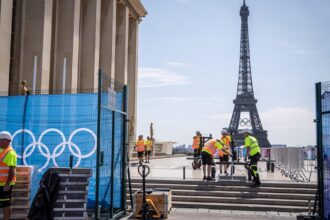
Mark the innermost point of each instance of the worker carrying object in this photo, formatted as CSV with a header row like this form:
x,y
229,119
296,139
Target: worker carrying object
x,y
208,151
253,152
223,157
148,149
8,161
140,148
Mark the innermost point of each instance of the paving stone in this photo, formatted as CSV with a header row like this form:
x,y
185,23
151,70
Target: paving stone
x,y
203,211
260,213
226,212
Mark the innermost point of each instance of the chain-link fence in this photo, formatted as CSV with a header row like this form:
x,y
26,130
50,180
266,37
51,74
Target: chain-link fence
x,y
90,126
323,143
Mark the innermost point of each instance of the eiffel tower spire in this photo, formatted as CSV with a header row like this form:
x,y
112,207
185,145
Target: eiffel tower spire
x,y
245,100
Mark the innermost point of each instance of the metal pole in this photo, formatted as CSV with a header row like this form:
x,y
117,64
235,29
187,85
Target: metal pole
x,y
112,163
319,143
184,172
64,75
98,147
35,62
125,158
23,126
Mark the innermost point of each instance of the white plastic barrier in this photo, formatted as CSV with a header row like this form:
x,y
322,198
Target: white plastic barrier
x,y
290,160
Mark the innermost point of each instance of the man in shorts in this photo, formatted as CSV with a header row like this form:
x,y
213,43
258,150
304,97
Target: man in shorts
x,y
148,149
208,151
8,161
140,148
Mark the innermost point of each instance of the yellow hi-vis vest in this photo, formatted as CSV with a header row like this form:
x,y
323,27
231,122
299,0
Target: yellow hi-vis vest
x,y
212,146
252,143
149,145
4,168
226,144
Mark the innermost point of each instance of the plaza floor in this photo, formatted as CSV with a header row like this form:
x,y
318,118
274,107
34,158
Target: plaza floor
x,y
180,168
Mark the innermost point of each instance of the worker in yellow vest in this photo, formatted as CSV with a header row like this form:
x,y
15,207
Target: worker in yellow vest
x,y
149,145
140,148
208,151
253,152
8,161
223,157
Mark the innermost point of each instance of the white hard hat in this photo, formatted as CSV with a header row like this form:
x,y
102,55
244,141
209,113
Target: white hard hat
x,y
4,135
246,131
224,131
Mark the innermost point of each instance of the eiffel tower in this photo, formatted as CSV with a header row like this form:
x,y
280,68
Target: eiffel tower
x,y
245,101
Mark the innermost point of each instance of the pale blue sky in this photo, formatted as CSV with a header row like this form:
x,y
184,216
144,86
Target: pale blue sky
x,y
189,59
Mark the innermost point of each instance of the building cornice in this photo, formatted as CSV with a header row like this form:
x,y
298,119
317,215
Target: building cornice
x,y
136,8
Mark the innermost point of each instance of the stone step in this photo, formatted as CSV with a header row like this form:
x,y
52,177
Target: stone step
x,y
203,187
242,207
239,200
229,183
304,197
235,206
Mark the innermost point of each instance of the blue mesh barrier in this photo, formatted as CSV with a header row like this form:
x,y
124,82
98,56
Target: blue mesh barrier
x,y
326,146
47,129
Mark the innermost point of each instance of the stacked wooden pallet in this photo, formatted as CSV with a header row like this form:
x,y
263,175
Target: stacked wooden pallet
x,y
72,199
161,199
20,194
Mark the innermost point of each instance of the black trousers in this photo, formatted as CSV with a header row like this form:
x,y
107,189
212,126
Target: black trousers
x,y
253,167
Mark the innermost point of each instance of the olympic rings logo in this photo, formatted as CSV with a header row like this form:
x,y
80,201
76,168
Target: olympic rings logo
x,y
59,148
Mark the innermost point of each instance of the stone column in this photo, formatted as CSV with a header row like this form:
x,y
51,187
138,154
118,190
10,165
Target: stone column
x,y
36,42
89,43
6,8
122,44
66,44
108,37
132,73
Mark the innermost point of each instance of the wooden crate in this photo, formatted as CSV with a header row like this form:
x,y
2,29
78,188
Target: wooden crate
x,y
20,194
72,199
162,199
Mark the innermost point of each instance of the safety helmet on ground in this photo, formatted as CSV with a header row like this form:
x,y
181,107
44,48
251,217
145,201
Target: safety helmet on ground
x,y
4,135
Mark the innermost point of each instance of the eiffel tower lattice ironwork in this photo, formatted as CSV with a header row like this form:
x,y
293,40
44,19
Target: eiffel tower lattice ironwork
x,y
245,101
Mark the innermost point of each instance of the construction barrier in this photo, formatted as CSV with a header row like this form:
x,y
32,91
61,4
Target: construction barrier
x,y
89,126
291,162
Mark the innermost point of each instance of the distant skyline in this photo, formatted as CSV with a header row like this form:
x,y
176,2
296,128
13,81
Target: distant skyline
x,y
189,59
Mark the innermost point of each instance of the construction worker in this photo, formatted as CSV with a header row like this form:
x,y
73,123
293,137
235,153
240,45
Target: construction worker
x,y
223,157
208,151
8,161
140,148
196,144
253,152
148,149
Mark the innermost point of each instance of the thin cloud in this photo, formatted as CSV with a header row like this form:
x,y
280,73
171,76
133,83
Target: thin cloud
x,y
156,77
177,100
298,49
221,117
178,64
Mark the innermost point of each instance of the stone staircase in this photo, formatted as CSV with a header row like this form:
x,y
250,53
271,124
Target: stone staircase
x,y
233,195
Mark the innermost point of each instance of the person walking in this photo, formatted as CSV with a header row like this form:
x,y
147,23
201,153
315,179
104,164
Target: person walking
x,y
253,152
149,146
8,161
208,151
140,148
196,144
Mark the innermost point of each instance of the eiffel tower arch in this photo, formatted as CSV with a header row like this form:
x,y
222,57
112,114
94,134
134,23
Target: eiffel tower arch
x,y
245,101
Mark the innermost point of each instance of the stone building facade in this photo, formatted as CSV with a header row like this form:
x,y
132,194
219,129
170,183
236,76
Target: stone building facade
x,y
61,44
